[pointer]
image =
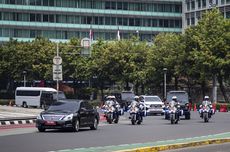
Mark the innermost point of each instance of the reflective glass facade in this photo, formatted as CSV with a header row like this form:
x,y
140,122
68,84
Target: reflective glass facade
x,y
193,9
64,19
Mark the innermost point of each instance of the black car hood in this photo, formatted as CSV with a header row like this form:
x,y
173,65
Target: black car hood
x,y
48,112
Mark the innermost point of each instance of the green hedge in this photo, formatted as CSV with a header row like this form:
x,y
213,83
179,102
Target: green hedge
x,y
6,101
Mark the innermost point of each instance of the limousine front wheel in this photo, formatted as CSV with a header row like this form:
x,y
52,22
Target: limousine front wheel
x,y
40,129
76,126
95,124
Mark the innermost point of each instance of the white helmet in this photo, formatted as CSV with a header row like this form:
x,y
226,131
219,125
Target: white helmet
x,y
206,97
113,97
136,97
174,98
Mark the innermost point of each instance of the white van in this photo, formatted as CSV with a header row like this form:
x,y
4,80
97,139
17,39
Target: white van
x,y
35,96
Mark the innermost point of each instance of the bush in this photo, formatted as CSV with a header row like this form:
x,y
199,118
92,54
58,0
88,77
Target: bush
x,y
7,101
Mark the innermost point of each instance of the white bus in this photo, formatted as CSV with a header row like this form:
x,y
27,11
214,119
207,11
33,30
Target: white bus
x,y
35,96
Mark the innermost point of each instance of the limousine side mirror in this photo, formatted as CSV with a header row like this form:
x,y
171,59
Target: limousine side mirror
x,y
83,109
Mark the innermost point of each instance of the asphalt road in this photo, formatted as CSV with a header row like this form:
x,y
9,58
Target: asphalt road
x,y
154,128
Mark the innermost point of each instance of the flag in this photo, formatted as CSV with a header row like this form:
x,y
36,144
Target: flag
x,y
91,34
118,35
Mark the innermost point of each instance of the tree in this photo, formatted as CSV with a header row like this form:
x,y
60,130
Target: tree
x,y
210,54
167,52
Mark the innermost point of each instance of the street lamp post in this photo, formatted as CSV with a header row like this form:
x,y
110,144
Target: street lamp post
x,y
165,71
24,75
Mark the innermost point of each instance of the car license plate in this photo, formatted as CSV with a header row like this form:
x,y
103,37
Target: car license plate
x,y
50,123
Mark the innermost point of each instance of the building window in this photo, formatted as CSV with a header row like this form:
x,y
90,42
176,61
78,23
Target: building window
x,y
38,17
154,23
166,23
119,5
203,3
107,21
161,23
188,6
222,2
228,1
131,22
178,24
228,14
119,21
125,6
192,21
199,3
178,9
32,18
193,5
125,21
137,22
107,5
45,18
45,3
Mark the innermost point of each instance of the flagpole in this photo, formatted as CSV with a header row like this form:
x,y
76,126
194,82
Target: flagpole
x,y
118,34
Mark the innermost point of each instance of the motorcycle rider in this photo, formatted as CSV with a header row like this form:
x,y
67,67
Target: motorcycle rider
x,y
140,105
174,103
204,102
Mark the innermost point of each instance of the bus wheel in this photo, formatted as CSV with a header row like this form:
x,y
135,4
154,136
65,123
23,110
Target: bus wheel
x,y
24,105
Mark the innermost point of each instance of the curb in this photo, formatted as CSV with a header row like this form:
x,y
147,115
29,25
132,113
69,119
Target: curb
x,y
17,122
177,146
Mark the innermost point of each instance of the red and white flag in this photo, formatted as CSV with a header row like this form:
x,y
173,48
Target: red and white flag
x,y
91,34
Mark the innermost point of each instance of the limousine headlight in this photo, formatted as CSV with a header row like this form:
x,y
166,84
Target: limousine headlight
x,y
68,117
39,117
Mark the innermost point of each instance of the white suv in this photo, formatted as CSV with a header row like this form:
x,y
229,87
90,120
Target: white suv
x,y
154,104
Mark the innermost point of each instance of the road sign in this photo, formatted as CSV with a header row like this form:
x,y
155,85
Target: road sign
x,y
57,72
85,42
57,60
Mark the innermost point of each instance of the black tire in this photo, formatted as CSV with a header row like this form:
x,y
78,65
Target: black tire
x,y
109,118
166,116
187,116
24,105
76,125
205,117
41,129
116,120
139,122
133,121
95,124
172,120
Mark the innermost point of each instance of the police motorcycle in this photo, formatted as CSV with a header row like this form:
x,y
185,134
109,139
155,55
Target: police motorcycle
x,y
136,112
112,111
206,110
174,112
166,111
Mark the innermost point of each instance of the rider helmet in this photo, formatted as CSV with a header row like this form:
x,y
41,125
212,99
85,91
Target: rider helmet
x,y
174,98
136,98
206,97
109,97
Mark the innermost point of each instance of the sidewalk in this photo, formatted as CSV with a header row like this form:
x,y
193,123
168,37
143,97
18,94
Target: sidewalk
x,y
11,115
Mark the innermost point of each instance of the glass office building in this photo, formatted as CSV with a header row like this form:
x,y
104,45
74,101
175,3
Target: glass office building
x,y
193,9
60,20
